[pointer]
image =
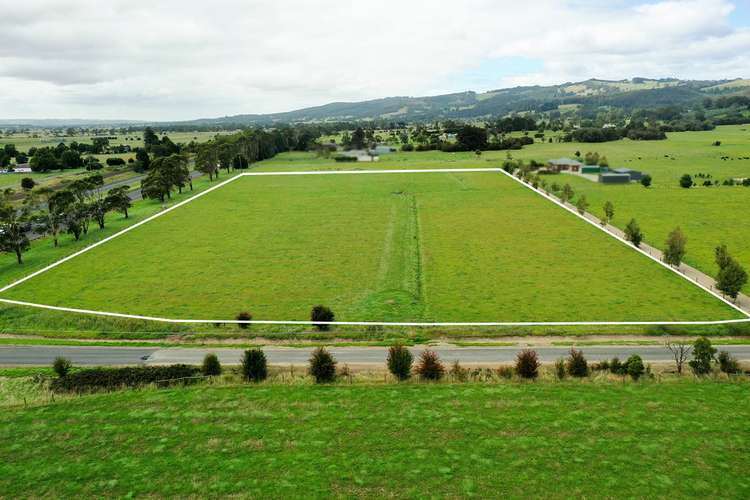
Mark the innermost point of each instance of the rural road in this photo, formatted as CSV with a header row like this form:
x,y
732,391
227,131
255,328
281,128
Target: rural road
x,y
99,356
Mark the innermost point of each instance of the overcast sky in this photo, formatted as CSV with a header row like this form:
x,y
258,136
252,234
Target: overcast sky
x,y
184,59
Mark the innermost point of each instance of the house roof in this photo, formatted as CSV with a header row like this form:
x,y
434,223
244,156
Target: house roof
x,y
565,161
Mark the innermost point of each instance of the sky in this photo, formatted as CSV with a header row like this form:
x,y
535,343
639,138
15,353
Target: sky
x,y
184,59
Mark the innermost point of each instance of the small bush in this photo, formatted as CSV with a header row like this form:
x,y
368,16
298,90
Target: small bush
x,y
601,366
616,366
322,366
728,364
113,162
577,365
115,378
244,316
634,367
28,183
61,366
459,373
505,372
560,369
399,362
254,365
527,364
211,366
430,367
322,313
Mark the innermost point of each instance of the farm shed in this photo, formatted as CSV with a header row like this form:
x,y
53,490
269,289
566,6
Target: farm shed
x,y
614,178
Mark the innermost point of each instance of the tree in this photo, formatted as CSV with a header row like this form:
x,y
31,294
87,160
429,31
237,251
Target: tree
x,y
527,364
680,351
143,161
207,160
358,139
609,213
399,361
430,367
14,226
721,256
471,138
675,247
567,193
646,180
634,366
71,159
633,233
150,139
731,279
57,216
322,366
582,204
703,355
254,365
686,181
118,199
157,184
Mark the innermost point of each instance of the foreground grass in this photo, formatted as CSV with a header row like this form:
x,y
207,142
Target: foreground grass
x,y
545,439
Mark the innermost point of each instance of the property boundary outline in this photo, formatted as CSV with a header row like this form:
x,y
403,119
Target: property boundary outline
x,y
366,323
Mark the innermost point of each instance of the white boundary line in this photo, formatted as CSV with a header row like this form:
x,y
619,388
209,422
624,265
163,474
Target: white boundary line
x,y
361,323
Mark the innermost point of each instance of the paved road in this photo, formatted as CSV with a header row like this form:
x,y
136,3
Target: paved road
x,y
92,356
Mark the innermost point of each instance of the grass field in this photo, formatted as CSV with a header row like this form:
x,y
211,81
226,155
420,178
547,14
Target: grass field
x,y
647,440
392,247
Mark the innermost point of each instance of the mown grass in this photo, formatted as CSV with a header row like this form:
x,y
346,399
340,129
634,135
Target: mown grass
x,y
397,247
680,439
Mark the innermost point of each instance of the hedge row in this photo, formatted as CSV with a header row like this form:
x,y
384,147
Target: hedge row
x,y
115,378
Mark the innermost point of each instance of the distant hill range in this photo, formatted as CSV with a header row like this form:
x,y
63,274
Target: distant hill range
x,y
625,94
630,94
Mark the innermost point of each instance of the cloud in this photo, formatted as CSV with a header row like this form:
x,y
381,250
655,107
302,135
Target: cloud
x,y
185,59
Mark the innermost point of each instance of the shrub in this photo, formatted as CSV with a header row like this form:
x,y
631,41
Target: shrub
x,y
686,181
616,366
115,378
61,366
211,365
646,180
113,162
602,365
345,159
527,364
27,183
634,366
322,313
407,147
400,361
430,367
703,355
244,316
727,363
505,372
577,365
560,369
254,365
322,366
459,373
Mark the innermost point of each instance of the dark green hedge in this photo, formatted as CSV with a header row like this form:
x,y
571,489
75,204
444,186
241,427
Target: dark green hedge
x,y
92,379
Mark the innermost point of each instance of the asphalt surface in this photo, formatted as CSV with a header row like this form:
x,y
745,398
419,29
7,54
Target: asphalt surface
x,y
101,356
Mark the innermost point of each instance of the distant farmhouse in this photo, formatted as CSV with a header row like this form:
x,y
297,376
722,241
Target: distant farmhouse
x,y
21,168
564,164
